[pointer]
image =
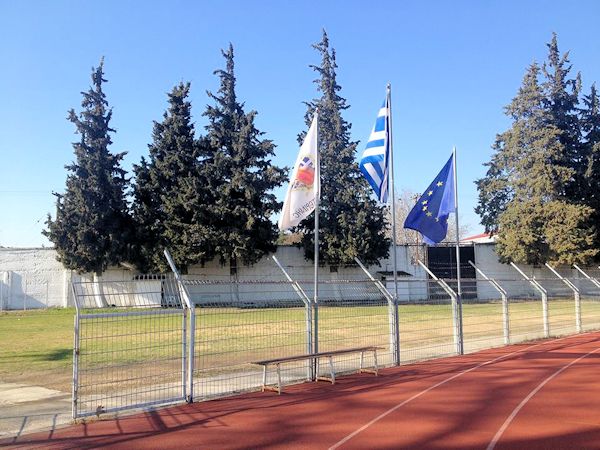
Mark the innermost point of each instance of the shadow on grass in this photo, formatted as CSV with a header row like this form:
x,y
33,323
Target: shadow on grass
x,y
60,354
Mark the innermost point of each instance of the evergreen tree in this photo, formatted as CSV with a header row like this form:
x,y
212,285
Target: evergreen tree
x,y
561,98
351,223
495,191
534,232
92,226
171,197
239,174
590,125
527,183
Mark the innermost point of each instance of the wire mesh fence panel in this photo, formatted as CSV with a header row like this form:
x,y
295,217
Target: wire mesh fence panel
x,y
426,324
525,310
132,337
561,306
131,352
238,324
590,303
483,316
352,314
593,271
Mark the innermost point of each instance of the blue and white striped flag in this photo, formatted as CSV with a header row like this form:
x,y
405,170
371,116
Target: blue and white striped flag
x,y
374,163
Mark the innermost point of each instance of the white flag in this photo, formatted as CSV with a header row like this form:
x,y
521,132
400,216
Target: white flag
x,y
305,183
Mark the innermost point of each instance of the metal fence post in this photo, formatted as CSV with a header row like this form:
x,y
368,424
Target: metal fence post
x,y
504,296
183,292
184,319
316,337
457,329
544,294
307,314
393,313
576,296
75,380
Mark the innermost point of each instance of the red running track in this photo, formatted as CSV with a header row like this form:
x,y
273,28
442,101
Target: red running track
x,y
540,395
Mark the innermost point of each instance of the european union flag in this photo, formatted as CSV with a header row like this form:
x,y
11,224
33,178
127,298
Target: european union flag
x,y
430,214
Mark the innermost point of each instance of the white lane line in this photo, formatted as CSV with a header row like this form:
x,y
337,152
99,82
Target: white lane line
x,y
400,405
526,399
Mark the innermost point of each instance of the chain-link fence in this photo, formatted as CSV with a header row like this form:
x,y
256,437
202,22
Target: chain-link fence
x,y
160,339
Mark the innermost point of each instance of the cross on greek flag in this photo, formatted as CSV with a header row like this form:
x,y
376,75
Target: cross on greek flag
x,y
374,163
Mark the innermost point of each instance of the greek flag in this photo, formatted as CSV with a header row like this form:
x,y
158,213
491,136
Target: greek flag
x,y
374,162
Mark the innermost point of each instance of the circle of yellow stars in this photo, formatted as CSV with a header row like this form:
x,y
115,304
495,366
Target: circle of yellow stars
x,y
425,202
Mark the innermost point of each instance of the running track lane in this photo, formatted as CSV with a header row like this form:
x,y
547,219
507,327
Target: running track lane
x,y
452,403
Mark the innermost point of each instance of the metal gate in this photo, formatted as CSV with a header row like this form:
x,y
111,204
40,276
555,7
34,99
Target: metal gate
x,y
130,347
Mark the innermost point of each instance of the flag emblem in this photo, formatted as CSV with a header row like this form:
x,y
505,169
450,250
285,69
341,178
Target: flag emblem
x,y
305,177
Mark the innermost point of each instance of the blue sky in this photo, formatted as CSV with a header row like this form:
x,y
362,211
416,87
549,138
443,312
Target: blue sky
x,y
453,67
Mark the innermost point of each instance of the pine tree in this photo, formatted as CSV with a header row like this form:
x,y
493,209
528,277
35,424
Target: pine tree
x,y
524,193
495,191
590,125
171,196
590,146
91,229
531,152
351,223
561,98
239,173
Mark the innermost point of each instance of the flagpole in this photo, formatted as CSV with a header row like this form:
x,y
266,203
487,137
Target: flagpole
x,y
316,288
391,191
459,288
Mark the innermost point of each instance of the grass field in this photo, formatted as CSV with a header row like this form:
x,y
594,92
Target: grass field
x,y
37,345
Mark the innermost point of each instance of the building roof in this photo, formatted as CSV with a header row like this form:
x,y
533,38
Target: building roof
x,y
482,238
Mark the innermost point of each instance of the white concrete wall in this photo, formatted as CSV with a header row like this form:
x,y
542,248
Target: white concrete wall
x,y
272,284
513,282
33,278
4,275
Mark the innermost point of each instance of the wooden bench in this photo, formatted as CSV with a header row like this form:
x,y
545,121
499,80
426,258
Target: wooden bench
x,y
316,357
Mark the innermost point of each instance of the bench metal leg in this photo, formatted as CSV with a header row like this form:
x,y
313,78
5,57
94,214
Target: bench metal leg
x,y
279,378
317,368
264,377
331,377
374,370
332,371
